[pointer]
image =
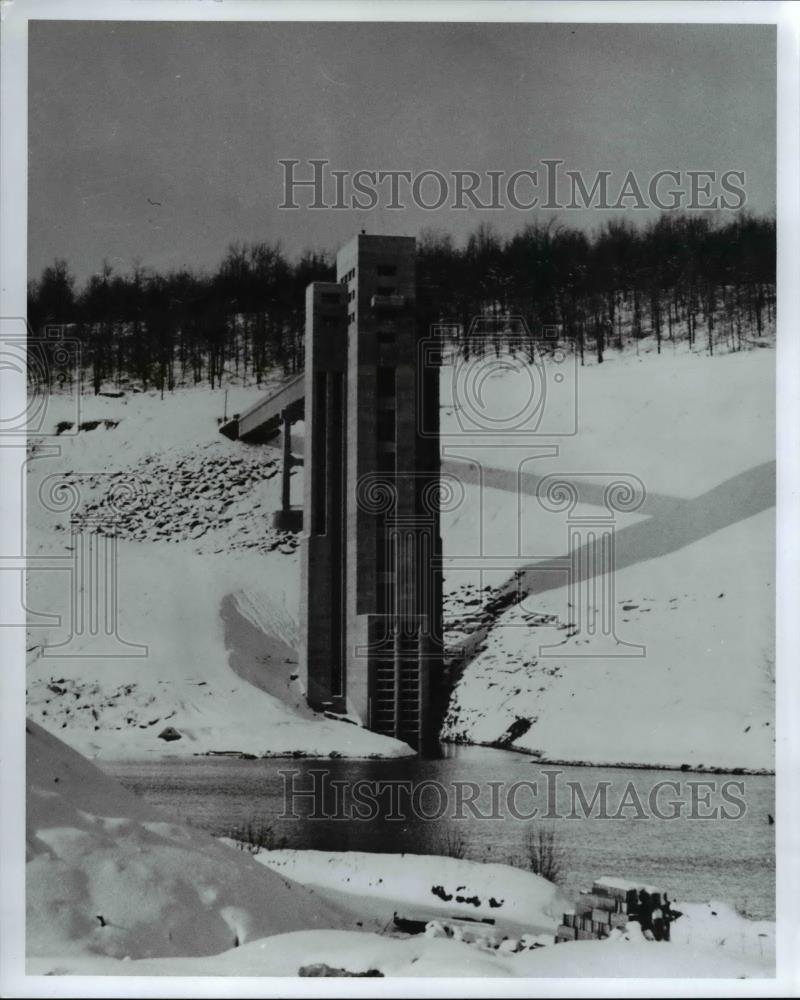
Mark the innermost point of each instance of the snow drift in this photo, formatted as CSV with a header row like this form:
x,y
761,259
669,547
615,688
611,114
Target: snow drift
x,y
108,874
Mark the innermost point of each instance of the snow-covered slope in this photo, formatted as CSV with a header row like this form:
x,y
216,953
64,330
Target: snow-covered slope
x,y
212,589
108,874
682,421
694,579
701,695
205,586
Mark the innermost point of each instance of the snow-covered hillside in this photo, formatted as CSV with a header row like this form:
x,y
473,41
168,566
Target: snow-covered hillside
x,y
693,581
206,589
211,588
702,693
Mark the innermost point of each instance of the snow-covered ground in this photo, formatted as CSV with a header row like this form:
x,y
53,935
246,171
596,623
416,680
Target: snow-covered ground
x,y
694,568
108,874
211,588
116,888
357,953
203,581
682,421
701,695
427,886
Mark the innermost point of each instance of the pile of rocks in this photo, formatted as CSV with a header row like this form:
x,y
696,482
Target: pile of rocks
x,y
612,904
204,495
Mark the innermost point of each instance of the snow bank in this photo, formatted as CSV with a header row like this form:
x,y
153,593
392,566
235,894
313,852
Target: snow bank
x,y
359,953
108,874
717,925
417,886
287,954
171,601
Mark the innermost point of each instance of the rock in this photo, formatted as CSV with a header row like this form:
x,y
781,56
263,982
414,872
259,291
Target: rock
x,y
321,969
169,734
535,941
434,929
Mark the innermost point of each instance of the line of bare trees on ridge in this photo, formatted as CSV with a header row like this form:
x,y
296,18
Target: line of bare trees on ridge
x,y
682,277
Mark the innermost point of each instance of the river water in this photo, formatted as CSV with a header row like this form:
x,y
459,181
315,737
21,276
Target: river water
x,y
477,801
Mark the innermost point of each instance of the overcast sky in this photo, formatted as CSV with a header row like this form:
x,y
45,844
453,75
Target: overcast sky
x,y
195,117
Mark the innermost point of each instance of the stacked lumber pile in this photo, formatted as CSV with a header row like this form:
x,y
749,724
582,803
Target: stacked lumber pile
x,y
611,904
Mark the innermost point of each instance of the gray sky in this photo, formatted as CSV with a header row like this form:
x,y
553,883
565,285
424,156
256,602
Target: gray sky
x,y
196,116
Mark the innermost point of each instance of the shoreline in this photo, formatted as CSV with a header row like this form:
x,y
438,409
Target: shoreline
x,y
627,765
735,771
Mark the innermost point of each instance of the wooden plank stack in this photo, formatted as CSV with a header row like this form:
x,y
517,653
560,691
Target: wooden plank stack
x,y
610,904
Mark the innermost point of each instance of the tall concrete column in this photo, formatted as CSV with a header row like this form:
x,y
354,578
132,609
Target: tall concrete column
x,y
323,665
334,506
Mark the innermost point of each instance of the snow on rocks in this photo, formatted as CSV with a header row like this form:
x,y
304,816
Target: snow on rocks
x,y
205,493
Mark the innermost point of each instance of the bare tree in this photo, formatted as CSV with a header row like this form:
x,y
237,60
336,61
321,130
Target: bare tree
x,y
450,844
544,853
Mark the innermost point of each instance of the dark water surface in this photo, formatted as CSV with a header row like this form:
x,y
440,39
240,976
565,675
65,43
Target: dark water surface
x,y
731,860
